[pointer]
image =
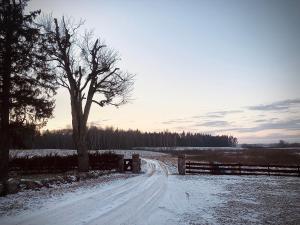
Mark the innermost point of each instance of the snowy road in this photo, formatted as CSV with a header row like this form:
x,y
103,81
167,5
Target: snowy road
x,y
128,202
156,197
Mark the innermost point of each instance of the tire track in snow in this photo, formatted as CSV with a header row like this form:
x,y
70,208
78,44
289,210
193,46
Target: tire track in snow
x,y
129,202
142,203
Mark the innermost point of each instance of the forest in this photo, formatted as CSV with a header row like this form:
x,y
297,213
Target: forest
x,y
110,138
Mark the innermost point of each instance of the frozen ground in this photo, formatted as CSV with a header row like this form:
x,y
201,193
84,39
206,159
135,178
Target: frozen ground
x,y
156,197
188,148
31,200
64,152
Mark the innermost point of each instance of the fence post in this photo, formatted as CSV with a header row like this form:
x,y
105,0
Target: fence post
x,y
181,164
121,164
136,163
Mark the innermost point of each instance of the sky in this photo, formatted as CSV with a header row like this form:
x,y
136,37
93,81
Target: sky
x,y
211,66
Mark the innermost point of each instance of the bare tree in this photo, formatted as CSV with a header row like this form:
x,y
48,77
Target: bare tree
x,y
87,68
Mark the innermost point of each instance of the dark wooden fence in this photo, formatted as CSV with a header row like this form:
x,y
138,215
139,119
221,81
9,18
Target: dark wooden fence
x,y
192,167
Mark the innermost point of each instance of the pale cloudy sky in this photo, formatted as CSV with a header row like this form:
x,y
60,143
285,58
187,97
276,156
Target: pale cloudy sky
x,y
214,66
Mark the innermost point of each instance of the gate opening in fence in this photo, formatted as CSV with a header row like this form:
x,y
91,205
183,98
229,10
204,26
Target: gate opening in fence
x,y
127,164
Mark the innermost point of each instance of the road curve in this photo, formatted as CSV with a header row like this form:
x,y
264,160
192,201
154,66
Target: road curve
x,y
128,202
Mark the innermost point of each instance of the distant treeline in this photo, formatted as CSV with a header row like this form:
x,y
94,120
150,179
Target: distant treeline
x,y
280,144
109,138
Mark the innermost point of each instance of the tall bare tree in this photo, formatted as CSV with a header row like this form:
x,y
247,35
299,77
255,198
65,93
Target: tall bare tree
x,y
87,69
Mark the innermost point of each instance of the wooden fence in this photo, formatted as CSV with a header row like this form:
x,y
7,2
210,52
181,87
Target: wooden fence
x,y
192,167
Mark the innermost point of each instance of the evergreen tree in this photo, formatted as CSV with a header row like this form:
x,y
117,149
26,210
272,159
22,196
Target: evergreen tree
x,y
26,83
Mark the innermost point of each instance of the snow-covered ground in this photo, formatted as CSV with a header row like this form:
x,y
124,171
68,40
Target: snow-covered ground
x,y
187,148
144,154
64,152
157,197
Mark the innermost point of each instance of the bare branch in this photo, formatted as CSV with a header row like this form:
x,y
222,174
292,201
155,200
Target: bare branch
x,y
87,68
62,83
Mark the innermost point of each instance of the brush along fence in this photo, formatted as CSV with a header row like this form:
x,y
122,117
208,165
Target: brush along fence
x,y
192,167
56,163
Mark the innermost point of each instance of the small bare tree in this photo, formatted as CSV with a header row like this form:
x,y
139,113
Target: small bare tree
x,y
87,68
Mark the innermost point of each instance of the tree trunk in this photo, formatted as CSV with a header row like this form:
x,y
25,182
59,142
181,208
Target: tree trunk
x,y
79,135
83,156
4,134
4,113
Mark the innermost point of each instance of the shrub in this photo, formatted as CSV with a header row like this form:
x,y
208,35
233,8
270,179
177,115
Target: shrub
x,y
56,163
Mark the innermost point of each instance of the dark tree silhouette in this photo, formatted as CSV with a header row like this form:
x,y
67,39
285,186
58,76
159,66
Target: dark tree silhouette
x,y
109,138
26,84
87,68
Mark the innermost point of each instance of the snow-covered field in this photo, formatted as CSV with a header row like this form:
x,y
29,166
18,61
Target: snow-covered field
x,y
187,148
64,152
157,197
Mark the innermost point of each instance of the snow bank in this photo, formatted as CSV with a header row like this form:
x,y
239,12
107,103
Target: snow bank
x,y
64,152
187,148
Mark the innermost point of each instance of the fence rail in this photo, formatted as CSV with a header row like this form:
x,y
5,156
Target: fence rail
x,y
192,167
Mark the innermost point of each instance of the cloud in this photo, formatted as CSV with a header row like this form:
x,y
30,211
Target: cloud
x,y
222,113
291,125
260,121
280,105
217,114
265,120
217,123
176,121
214,116
208,116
